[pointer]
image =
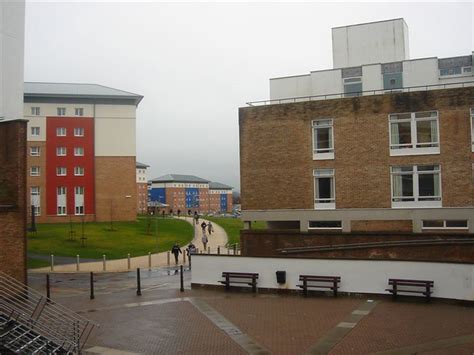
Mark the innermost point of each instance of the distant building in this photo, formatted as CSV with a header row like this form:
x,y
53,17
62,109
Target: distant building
x,y
142,187
191,193
81,152
381,142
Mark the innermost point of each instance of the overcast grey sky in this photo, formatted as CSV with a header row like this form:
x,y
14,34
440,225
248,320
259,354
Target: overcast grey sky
x,y
197,63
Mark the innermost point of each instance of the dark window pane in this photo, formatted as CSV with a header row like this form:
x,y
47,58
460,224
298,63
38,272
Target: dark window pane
x,y
433,224
407,185
322,138
324,188
426,185
456,224
325,224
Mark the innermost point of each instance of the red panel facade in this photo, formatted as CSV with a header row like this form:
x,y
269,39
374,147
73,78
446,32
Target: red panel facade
x,y
70,161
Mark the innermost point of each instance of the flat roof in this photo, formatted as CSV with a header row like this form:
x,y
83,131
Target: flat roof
x,y
77,90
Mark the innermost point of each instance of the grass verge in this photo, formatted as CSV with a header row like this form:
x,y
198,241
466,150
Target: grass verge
x,y
232,227
127,237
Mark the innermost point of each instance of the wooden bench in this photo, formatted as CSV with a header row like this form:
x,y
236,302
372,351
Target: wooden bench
x,y
247,278
415,286
315,281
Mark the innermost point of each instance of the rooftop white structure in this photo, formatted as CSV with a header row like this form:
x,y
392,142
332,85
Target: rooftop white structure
x,y
372,58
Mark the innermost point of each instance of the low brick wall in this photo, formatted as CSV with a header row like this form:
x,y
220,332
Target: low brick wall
x,y
267,243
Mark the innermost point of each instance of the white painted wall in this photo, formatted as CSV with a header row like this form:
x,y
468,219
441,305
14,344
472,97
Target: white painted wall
x,y
115,130
142,176
326,82
12,33
420,72
377,42
37,121
372,77
48,109
453,281
291,86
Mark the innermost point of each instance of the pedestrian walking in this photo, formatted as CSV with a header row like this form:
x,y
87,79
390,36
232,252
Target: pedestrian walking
x,y
210,228
204,240
191,249
196,217
176,250
203,227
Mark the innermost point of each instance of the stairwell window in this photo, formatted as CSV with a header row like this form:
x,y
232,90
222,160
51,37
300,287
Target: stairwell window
x,y
415,133
324,189
323,139
416,186
79,200
35,199
61,201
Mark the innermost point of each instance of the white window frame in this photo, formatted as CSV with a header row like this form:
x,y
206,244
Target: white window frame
x,y
79,111
350,81
35,131
78,171
472,129
61,209
436,201
413,150
35,171
325,153
61,111
464,71
35,199
35,111
444,224
78,151
35,151
320,203
61,171
78,132
61,132
61,151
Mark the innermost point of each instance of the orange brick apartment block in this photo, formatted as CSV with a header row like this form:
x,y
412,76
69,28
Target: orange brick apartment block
x,y
395,158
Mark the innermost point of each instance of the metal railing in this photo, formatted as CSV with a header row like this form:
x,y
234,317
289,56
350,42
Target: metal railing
x,y
361,93
39,314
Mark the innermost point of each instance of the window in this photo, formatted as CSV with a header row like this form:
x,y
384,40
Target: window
x,y
472,129
35,131
78,151
61,151
324,189
414,133
323,139
61,201
79,171
352,87
61,111
445,224
35,151
61,132
35,111
35,171
79,200
392,76
78,132
79,111
61,171
325,225
35,199
416,186
455,71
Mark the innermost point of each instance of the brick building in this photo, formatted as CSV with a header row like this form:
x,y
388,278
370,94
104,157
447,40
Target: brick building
x,y
142,187
361,148
81,152
191,193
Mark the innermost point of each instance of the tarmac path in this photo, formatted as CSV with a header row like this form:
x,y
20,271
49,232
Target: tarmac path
x,y
217,239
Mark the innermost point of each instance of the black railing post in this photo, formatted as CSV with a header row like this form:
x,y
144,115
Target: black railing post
x,y
48,289
139,285
235,248
181,279
92,285
189,258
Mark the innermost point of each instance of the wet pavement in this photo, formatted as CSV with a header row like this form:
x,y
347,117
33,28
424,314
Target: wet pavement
x,y
164,320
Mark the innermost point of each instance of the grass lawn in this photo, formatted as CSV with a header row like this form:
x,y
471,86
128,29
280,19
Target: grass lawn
x,y
232,226
36,263
127,237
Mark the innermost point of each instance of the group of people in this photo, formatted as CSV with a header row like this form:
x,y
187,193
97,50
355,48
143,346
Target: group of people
x,y
191,249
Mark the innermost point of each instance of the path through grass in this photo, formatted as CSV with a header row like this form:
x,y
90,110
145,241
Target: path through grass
x,y
232,226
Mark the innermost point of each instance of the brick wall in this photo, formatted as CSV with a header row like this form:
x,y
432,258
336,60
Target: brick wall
x,y
276,150
115,186
267,243
142,197
13,198
376,226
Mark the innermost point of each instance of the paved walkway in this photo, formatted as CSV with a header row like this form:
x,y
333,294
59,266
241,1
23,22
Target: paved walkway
x,y
218,239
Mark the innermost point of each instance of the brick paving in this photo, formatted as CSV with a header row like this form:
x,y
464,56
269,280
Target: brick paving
x,y
399,324
166,321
